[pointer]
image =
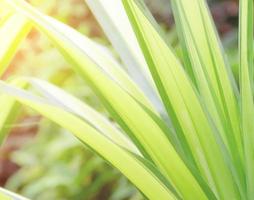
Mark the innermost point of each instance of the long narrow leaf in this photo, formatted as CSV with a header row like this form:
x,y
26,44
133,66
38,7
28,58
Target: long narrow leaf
x,y
142,129
182,103
12,33
141,175
246,86
8,113
119,31
85,112
212,75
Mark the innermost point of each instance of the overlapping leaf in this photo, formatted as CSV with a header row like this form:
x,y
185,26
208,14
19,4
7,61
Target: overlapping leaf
x,y
140,173
143,129
84,111
9,112
213,148
214,80
183,103
118,29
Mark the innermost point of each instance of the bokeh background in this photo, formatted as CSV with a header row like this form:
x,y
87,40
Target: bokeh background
x,y
43,161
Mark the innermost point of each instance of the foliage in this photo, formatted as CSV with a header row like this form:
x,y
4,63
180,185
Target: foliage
x,y
53,153
189,126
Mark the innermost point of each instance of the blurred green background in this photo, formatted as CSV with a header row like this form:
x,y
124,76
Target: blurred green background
x,y
43,161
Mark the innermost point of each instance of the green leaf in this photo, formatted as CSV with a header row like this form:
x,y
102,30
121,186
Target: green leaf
x,y
213,77
143,130
119,31
246,88
183,103
9,112
91,116
61,34
12,32
137,171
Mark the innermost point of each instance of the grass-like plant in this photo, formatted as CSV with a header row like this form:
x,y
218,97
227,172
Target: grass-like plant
x,y
198,145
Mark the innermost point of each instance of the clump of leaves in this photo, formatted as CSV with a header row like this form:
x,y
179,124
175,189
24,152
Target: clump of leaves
x,y
197,143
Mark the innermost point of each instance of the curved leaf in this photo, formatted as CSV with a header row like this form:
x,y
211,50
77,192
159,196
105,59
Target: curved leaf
x,y
138,173
143,130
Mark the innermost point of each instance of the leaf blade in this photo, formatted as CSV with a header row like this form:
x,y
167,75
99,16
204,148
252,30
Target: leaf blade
x,y
99,143
246,86
119,31
181,100
12,32
142,129
213,76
